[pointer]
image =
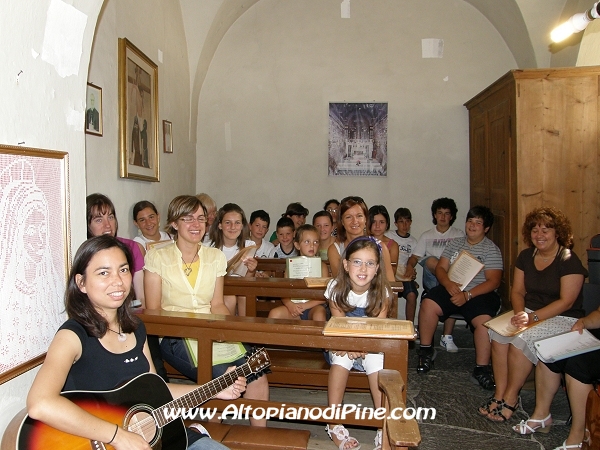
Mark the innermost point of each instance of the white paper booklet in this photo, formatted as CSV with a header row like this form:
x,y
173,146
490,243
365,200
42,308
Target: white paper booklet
x,y
303,266
566,345
464,268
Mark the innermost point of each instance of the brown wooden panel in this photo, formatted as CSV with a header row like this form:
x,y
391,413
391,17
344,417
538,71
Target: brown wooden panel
x,y
478,164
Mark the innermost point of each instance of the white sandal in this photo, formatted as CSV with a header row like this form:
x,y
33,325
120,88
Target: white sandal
x,y
564,446
378,441
343,436
539,426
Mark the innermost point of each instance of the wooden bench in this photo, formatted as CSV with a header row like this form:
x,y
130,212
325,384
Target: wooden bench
x,y
245,437
207,328
276,266
255,289
297,368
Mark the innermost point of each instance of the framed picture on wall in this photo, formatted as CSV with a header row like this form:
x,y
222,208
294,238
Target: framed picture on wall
x,y
138,114
34,254
167,136
358,139
93,110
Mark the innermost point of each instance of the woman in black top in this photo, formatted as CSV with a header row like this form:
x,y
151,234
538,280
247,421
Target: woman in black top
x,y
101,346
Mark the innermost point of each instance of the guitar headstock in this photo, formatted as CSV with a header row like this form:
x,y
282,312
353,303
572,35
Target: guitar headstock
x,y
258,361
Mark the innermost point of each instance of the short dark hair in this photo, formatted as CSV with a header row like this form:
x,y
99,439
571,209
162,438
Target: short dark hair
x,y
98,204
329,202
77,303
140,206
262,215
482,212
285,222
402,213
379,209
323,214
444,203
296,209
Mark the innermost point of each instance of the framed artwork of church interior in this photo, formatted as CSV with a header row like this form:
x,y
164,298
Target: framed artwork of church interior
x,y
34,254
93,110
358,139
138,114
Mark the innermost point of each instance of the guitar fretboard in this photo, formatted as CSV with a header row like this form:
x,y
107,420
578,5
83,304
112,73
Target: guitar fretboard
x,y
200,395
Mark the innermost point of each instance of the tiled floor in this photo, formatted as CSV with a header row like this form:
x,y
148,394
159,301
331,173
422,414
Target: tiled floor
x,y
449,389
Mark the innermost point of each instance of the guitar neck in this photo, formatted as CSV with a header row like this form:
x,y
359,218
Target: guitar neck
x,y
199,395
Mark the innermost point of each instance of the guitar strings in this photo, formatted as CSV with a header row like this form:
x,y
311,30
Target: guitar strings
x,y
196,397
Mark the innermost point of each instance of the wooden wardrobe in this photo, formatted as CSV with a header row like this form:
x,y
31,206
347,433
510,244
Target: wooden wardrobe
x,y
534,141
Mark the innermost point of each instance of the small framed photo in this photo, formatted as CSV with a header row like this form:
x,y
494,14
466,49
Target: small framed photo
x,y
167,136
93,110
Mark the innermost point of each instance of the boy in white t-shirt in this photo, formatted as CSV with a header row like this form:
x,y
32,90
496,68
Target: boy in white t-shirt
x,y
285,235
429,248
406,244
259,226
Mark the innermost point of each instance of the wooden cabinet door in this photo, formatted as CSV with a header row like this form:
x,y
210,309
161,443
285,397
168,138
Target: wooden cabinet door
x,y
490,142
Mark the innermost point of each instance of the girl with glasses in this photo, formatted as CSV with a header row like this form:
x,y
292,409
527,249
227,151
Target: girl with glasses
x,y
359,290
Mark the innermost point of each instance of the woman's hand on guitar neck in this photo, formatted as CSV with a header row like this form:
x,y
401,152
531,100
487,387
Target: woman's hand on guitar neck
x,y
235,390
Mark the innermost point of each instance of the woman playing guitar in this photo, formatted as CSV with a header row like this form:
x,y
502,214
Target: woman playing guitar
x,y
100,347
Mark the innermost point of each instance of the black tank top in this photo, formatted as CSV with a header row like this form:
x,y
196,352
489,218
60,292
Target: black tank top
x,y
100,370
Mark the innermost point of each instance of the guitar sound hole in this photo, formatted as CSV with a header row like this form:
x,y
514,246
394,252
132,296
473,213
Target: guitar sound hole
x,y
142,423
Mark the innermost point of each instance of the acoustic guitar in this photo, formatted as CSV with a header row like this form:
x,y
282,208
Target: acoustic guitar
x,y
143,405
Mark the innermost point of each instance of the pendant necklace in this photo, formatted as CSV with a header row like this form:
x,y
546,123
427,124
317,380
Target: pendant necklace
x,y
188,267
121,337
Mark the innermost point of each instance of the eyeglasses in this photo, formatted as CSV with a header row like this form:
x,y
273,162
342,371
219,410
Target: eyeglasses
x,y
191,219
331,210
359,263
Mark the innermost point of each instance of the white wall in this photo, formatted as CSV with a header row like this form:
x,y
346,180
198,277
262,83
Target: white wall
x,y
45,108
588,53
152,26
281,63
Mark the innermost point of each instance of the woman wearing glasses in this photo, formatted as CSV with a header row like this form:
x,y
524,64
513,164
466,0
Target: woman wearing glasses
x,y
187,276
332,206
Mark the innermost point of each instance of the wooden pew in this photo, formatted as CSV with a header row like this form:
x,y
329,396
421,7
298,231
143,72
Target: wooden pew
x,y
302,368
255,289
276,266
207,328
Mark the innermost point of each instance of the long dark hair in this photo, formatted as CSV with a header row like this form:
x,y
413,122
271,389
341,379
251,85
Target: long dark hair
x,y
140,206
216,234
77,303
379,289
99,204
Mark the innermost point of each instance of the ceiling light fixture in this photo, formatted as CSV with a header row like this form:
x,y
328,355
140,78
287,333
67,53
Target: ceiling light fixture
x,y
575,24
